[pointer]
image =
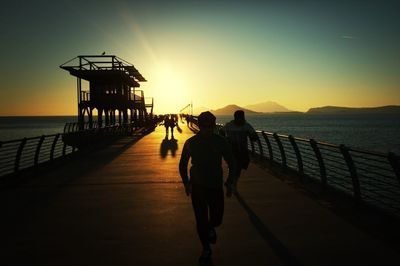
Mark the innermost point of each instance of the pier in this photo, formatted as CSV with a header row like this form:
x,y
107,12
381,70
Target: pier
x,y
124,204
108,192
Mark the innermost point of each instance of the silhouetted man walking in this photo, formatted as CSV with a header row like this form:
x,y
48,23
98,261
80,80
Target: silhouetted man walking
x,y
237,132
206,178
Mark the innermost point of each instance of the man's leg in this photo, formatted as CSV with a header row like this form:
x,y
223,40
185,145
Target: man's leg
x,y
238,173
238,159
199,203
216,205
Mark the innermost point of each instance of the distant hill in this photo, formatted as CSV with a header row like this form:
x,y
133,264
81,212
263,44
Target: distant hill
x,y
230,109
267,107
389,109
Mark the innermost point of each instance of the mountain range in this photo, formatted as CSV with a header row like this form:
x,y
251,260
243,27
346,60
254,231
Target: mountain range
x,y
253,109
389,109
230,109
267,107
273,107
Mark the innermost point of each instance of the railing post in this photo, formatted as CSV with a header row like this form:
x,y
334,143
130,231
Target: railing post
x,y
395,163
271,154
65,127
260,147
18,155
321,163
53,146
64,149
281,149
353,172
37,152
298,155
252,147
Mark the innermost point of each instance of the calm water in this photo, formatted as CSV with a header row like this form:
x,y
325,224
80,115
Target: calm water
x,y
20,127
372,132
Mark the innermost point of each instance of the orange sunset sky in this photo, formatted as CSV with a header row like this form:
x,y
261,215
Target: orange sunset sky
x,y
301,54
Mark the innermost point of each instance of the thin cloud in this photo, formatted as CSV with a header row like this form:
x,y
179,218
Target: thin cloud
x,y
349,37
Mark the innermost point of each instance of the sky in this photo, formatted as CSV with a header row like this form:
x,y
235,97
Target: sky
x,y
300,54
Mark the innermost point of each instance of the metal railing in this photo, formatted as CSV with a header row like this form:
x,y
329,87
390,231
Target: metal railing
x,y
370,177
113,129
85,96
17,155
27,153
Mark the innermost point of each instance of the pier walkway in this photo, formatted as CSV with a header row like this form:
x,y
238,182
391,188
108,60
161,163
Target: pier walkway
x,y
125,205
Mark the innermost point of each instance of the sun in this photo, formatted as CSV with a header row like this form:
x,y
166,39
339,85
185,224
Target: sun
x,y
170,90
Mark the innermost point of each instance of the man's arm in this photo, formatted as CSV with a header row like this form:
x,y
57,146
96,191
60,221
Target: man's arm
x,y
252,133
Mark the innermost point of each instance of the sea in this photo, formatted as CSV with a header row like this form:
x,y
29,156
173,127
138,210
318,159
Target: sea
x,y
18,127
379,132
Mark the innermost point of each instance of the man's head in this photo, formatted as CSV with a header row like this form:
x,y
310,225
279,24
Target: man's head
x,y
239,117
206,121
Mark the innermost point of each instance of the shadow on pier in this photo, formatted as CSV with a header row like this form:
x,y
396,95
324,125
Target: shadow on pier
x,y
125,205
168,146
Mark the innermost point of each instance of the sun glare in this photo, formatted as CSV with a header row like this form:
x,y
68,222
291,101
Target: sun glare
x,y
170,91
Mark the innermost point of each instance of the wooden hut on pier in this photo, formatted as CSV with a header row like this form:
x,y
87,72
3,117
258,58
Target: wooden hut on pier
x,y
113,84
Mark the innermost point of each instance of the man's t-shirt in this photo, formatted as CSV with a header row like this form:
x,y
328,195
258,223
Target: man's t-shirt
x,y
206,153
237,137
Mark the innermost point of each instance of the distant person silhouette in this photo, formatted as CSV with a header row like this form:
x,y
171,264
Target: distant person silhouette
x,y
173,124
206,179
237,132
169,122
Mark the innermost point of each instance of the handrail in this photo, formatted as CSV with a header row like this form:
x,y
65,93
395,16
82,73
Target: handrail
x,y
53,146
18,156
298,155
38,147
321,163
30,138
370,177
354,171
26,153
281,148
21,154
271,153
